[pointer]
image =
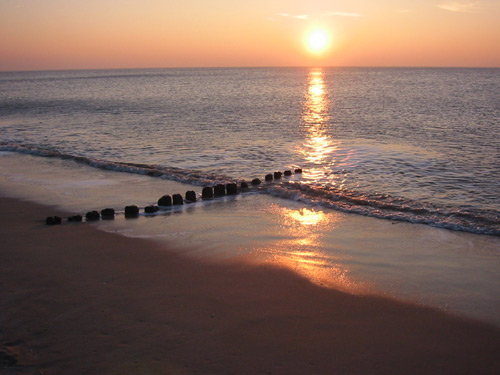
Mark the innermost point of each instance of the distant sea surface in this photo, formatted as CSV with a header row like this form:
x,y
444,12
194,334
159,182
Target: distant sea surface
x,y
407,144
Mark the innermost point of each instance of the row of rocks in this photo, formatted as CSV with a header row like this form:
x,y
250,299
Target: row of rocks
x,y
53,220
105,214
109,213
276,176
208,192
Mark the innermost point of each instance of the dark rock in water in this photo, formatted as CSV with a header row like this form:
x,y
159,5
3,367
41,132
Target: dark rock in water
x,y
269,177
108,213
165,201
92,216
131,211
277,175
154,173
256,181
151,209
75,218
177,199
191,196
231,189
244,185
207,192
53,220
298,170
219,190
288,173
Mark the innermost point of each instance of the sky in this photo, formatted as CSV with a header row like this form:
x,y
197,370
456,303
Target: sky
x,y
95,34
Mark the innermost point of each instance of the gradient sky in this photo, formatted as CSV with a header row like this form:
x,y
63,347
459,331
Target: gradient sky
x,y
80,34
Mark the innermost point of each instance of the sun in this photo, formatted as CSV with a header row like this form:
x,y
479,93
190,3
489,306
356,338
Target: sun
x,y
317,41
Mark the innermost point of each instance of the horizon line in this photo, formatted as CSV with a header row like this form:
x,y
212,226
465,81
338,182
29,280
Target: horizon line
x,y
253,67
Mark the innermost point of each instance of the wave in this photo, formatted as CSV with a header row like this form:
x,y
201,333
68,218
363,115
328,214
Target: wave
x,y
384,206
378,205
193,177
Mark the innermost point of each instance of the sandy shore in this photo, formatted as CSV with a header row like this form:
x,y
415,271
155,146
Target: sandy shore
x,y
76,300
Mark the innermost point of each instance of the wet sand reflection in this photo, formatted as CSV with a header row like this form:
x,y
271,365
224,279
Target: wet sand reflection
x,y
303,249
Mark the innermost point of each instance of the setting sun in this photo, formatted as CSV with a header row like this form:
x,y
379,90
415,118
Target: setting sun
x,y
317,41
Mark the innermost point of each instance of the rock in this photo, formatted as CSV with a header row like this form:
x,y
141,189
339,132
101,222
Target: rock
x,y
269,177
92,216
75,218
231,189
191,196
219,190
288,173
277,175
154,173
177,199
151,209
108,213
244,185
165,201
207,192
53,220
298,170
131,211
256,181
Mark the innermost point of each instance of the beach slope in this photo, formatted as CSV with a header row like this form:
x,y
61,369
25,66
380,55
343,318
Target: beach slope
x,y
76,300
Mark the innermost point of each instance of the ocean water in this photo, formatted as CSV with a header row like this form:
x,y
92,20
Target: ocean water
x,y
400,186
416,145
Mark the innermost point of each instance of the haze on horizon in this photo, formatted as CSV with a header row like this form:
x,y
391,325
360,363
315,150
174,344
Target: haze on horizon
x,y
92,34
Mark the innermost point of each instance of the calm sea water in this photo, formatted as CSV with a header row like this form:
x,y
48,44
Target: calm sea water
x,y
416,145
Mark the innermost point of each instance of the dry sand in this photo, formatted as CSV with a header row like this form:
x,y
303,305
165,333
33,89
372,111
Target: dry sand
x,y
76,300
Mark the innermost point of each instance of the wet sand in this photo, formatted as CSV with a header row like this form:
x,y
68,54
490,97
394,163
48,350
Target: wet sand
x,y
77,300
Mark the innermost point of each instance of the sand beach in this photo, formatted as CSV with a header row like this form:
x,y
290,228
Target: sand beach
x,y
78,300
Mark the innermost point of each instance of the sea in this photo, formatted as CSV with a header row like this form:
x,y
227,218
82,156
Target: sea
x,y
400,186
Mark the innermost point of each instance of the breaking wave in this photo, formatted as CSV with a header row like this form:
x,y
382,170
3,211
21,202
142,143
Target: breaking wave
x,y
378,205
192,177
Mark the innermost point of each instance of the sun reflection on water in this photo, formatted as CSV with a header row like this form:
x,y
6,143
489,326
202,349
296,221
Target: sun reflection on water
x,y
302,249
320,149
301,246
305,216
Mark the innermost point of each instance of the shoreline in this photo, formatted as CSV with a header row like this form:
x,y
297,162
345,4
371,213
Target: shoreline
x,y
80,300
449,270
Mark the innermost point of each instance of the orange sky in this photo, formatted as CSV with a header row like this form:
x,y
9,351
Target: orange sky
x,y
80,34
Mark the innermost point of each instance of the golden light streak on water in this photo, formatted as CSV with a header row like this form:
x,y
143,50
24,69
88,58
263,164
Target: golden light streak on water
x,y
319,149
306,216
301,250
302,230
